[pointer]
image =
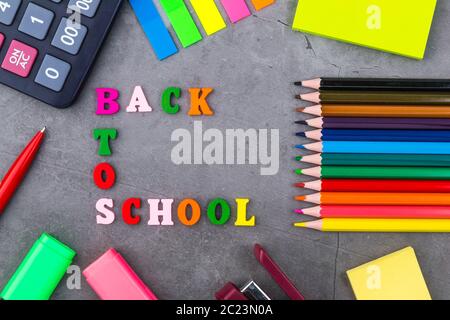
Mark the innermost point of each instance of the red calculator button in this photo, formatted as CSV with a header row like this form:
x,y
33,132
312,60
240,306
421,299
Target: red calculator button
x,y
2,38
19,59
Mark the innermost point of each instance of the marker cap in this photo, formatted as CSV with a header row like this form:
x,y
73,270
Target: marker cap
x,y
40,271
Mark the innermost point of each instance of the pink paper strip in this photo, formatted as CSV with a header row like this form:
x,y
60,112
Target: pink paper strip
x,y
236,9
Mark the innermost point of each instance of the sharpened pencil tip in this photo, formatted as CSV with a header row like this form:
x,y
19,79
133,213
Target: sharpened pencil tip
x,y
300,198
298,211
303,122
299,171
300,146
299,185
300,224
43,129
298,158
300,109
298,96
301,134
298,83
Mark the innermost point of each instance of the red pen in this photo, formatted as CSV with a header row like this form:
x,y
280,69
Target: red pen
x,y
19,168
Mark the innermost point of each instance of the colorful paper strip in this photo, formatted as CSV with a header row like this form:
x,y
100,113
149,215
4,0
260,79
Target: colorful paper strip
x,y
182,22
154,28
209,15
236,9
261,4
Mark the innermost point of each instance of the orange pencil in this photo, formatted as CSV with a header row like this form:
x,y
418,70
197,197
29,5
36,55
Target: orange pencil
x,y
376,111
377,198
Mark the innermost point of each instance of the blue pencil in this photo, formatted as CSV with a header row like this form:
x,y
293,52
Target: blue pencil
x,y
377,135
378,147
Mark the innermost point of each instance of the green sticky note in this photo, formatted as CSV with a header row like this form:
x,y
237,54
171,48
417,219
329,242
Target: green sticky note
x,y
40,271
396,26
182,22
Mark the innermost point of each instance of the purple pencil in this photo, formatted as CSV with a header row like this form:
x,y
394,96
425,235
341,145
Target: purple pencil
x,y
377,123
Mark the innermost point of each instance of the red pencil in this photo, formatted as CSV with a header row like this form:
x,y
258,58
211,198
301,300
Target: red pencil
x,y
367,185
19,168
381,212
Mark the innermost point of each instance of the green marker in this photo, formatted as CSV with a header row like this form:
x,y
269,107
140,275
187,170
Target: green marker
x,y
40,271
182,22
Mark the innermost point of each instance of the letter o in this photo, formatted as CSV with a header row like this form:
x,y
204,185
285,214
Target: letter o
x,y
226,211
195,207
104,176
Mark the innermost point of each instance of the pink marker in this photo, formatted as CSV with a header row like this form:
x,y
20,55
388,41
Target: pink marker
x,y
236,9
112,278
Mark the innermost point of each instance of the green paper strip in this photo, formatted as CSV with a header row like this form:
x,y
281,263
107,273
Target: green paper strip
x,y
181,21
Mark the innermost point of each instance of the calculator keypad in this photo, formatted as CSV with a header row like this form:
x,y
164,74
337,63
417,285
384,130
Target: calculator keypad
x,y
36,21
8,10
69,36
53,73
87,8
19,59
48,46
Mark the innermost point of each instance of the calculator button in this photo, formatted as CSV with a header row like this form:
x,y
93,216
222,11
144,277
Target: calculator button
x,y
2,38
36,21
8,10
87,8
57,1
53,73
19,59
69,36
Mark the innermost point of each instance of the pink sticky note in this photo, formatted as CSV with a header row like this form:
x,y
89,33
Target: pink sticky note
x,y
19,59
2,38
236,9
112,278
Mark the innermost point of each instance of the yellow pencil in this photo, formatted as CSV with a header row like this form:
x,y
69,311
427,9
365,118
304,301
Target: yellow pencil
x,y
377,225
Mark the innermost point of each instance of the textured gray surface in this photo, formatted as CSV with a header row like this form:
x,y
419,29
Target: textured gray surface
x,y
251,66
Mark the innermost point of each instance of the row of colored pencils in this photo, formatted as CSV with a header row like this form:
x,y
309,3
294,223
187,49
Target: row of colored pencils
x,y
381,155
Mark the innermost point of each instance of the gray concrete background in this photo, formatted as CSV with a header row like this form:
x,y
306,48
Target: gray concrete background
x,y
251,65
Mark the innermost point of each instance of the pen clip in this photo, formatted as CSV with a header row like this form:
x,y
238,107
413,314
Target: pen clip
x,y
277,274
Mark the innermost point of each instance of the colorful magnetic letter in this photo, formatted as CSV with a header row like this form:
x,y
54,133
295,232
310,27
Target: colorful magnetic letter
x,y
104,176
195,217
225,214
40,271
104,135
236,9
166,100
138,102
165,212
182,22
209,15
261,4
199,105
241,219
104,208
107,97
154,28
127,211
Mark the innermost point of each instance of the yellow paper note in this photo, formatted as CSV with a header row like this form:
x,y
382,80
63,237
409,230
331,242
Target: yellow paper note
x,y
400,26
396,276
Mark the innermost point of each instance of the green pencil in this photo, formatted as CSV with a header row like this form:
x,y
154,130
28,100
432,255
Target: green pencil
x,y
364,172
388,160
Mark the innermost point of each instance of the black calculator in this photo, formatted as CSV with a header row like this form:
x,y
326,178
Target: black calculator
x,y
47,47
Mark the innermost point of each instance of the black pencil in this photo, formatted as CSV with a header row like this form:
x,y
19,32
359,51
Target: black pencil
x,y
377,84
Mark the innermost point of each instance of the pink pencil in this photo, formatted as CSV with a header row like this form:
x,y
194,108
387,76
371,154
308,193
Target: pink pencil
x,y
382,212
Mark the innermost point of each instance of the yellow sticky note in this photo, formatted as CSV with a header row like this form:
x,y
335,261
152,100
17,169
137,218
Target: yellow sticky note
x,y
397,26
396,276
209,15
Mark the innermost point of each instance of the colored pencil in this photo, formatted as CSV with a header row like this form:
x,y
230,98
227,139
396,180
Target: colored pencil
x,y
373,111
377,135
377,225
369,172
379,84
371,185
377,97
378,147
378,123
385,160
377,198
381,212
19,168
